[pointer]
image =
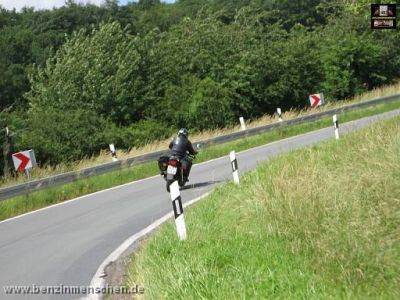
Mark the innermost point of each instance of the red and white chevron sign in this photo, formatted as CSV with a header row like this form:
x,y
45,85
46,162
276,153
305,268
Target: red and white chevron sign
x,y
24,160
316,100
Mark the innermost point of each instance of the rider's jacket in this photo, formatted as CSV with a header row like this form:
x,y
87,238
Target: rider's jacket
x,y
180,145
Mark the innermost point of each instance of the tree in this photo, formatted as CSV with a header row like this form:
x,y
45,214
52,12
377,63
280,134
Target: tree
x,y
353,61
209,106
147,4
100,72
58,136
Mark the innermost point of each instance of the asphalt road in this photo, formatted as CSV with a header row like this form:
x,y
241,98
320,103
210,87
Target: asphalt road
x,y
66,243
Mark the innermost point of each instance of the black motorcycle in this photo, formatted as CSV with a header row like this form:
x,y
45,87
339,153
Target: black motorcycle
x,y
171,169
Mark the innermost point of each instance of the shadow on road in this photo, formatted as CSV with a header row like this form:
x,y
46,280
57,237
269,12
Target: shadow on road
x,y
200,184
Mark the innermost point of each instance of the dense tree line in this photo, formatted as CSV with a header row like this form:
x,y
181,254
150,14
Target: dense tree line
x,y
74,79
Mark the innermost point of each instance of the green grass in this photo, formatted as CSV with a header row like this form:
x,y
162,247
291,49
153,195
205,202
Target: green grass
x,y
22,204
318,223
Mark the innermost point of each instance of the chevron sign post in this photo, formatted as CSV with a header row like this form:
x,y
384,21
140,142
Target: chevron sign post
x,y
178,210
316,100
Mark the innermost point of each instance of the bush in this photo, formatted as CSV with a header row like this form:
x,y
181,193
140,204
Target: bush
x,y
209,106
144,132
58,136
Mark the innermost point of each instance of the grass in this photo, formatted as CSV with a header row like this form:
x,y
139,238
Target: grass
x,y
105,155
317,223
22,204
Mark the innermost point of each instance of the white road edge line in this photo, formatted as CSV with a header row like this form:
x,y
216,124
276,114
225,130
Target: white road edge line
x,y
98,280
195,165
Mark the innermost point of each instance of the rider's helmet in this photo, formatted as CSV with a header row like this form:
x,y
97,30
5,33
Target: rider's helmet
x,y
183,131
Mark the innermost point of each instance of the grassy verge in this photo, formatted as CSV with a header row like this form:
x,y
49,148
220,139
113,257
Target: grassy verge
x,y
317,223
22,204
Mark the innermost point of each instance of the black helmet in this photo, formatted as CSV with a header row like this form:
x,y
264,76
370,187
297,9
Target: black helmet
x,y
183,131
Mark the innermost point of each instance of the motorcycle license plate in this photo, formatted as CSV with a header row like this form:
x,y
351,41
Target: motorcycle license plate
x,y
171,170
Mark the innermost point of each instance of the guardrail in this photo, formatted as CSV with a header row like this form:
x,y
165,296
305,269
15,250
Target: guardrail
x,y
53,181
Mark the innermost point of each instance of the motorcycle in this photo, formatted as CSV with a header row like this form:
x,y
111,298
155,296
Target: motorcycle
x,y
172,169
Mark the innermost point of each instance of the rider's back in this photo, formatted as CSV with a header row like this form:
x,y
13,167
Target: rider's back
x,y
180,145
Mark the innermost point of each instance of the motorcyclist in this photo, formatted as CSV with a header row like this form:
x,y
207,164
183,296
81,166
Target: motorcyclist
x,y
181,147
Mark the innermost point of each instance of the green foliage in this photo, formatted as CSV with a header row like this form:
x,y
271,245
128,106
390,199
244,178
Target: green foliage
x,y
99,72
61,135
354,68
199,64
69,135
209,106
158,16
289,69
15,45
304,12
355,62
142,133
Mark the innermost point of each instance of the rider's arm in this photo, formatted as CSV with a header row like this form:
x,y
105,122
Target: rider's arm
x,y
171,144
191,149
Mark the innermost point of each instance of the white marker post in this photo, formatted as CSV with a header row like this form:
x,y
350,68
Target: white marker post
x,y
242,124
336,126
178,210
235,170
113,152
279,111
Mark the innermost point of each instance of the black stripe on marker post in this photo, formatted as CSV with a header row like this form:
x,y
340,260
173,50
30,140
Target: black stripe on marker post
x,y
178,208
234,165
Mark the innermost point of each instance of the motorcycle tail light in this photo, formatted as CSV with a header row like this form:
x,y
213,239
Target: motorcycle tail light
x,y
173,163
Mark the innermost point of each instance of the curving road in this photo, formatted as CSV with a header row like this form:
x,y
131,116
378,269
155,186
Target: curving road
x,y
66,243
